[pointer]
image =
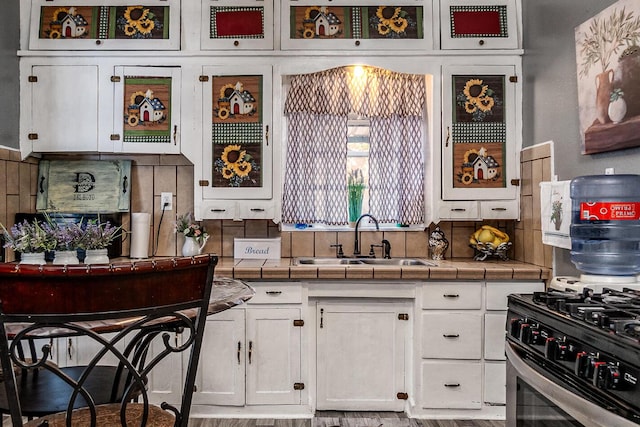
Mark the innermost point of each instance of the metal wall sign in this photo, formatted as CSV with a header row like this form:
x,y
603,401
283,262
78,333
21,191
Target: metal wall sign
x,y
86,186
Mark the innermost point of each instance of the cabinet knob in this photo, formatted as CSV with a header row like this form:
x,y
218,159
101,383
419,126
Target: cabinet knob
x,y
236,43
98,42
481,42
357,43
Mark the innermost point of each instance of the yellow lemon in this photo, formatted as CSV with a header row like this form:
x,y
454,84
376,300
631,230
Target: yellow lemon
x,y
486,236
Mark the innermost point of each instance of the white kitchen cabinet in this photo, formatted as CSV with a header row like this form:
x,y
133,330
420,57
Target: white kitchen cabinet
x,y
146,110
479,24
221,372
252,354
480,143
236,163
61,107
361,350
345,25
237,25
495,383
99,25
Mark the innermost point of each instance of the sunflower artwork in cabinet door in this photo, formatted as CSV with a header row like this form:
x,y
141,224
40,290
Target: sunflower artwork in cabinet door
x,y
357,27
240,165
145,118
477,141
116,25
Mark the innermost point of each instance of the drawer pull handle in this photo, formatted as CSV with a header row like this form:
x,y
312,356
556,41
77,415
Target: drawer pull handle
x,y
239,350
218,210
451,296
257,210
498,209
458,210
274,292
451,335
452,385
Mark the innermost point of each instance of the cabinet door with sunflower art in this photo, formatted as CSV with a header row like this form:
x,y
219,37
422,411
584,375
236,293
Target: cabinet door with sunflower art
x,y
480,144
146,110
342,25
237,153
104,25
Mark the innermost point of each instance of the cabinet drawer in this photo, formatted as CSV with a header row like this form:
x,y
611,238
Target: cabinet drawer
x,y
256,210
497,292
458,210
276,293
451,335
494,329
502,209
452,385
454,296
495,383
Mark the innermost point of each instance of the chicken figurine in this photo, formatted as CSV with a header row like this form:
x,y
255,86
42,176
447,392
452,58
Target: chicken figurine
x,y
488,241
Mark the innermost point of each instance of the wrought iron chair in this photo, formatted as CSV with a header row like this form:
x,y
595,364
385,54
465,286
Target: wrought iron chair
x,y
138,302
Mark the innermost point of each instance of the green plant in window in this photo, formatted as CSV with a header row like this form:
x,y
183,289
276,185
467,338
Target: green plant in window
x,y
355,191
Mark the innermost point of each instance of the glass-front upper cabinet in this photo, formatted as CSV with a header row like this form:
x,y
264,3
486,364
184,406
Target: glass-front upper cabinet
x,y
105,25
146,110
480,143
347,25
237,24
479,24
237,155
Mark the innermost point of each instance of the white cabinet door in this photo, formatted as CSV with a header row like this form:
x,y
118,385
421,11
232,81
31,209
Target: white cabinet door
x,y
104,25
221,378
272,356
250,356
361,350
236,162
146,110
480,142
495,380
166,379
236,25
479,24
64,107
494,335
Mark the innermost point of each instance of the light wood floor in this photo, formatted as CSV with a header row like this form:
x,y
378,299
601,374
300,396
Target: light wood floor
x,y
345,419
336,419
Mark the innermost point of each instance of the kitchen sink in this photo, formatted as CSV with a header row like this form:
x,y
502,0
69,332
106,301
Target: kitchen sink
x,y
398,262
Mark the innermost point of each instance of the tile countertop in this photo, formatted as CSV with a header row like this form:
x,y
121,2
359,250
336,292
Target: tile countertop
x,y
456,269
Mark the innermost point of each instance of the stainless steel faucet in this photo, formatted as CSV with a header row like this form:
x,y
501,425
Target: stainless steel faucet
x,y
356,248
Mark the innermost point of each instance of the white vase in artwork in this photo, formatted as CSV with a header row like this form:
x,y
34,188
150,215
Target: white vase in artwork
x,y
66,258
36,258
617,110
191,246
96,256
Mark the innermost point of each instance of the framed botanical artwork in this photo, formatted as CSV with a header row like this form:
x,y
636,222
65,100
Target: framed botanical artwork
x,y
608,72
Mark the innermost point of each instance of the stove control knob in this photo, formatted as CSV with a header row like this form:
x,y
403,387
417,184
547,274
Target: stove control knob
x,y
515,325
551,348
606,376
529,334
556,349
581,364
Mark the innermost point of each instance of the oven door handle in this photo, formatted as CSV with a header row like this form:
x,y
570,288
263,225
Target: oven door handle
x,y
585,412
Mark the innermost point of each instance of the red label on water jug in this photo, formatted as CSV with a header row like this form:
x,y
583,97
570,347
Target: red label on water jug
x,y
591,211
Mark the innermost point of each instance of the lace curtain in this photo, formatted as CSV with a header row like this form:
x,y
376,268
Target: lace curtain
x,y
317,107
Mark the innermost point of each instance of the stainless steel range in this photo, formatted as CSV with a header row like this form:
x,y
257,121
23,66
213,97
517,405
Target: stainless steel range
x,y
573,358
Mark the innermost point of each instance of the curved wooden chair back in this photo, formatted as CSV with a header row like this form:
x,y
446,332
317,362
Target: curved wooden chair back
x,y
140,303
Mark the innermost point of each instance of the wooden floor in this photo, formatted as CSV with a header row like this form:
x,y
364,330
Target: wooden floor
x,y
345,419
336,419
